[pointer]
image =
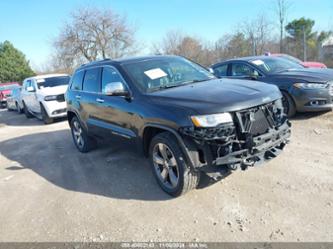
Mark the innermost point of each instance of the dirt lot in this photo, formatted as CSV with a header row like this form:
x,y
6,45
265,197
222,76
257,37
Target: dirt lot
x,y
51,192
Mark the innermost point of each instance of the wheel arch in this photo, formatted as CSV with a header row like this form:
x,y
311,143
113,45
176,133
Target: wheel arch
x,y
151,130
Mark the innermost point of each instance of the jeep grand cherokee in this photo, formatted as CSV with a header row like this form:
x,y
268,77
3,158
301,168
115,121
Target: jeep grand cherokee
x,y
182,117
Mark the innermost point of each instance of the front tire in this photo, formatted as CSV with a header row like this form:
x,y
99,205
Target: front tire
x,y
81,139
171,171
26,111
18,108
45,116
288,105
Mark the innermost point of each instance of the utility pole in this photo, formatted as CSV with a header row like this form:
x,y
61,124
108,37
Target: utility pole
x,y
304,45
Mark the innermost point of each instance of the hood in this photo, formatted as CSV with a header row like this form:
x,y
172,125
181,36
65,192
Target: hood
x,y
56,90
218,95
313,64
316,75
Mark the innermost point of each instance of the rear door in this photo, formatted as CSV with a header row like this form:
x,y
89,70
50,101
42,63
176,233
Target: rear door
x,y
89,100
74,96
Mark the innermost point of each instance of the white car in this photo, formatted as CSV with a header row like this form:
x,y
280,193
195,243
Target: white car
x,y
43,96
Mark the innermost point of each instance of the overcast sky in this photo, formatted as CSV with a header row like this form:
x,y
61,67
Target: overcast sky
x,y
32,24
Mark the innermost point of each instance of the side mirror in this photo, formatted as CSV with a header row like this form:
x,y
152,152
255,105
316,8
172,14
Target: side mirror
x,y
115,89
30,89
210,70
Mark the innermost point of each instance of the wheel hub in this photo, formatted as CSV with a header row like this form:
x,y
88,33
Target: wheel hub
x,y
165,165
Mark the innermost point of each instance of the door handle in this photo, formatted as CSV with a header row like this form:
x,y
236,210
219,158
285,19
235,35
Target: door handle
x,y
100,100
78,97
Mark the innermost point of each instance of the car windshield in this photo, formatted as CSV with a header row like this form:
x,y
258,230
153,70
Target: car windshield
x,y
161,73
272,65
291,58
8,87
53,81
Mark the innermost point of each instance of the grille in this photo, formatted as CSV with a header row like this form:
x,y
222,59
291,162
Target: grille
x,y
259,124
61,98
257,121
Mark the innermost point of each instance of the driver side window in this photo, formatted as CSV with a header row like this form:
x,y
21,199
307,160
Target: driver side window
x,y
240,69
27,84
110,75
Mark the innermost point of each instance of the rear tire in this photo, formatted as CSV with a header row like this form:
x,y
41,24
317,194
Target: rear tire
x,y
289,105
45,116
168,163
26,111
81,139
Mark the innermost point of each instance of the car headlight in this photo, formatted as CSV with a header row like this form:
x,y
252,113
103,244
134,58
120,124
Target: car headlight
x,y
211,120
310,85
50,97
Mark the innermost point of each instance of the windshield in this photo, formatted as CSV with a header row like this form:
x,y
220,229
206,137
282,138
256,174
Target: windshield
x,y
274,65
8,87
291,58
161,73
53,81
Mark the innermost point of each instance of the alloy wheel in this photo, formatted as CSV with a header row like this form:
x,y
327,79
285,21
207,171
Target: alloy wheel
x,y
165,165
77,133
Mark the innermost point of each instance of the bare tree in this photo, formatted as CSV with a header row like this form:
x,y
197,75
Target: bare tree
x,y
281,10
93,34
178,43
257,32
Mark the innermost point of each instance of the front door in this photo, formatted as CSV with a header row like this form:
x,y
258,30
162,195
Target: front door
x,y
114,113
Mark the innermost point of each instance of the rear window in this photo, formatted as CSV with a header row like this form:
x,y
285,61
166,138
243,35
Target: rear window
x,y
52,81
91,81
77,81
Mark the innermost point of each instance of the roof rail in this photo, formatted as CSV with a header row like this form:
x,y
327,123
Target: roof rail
x,y
95,62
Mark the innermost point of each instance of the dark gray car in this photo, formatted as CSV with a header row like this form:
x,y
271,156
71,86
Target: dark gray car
x,y
304,89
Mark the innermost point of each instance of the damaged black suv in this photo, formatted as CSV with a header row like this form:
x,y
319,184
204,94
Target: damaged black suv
x,y
182,117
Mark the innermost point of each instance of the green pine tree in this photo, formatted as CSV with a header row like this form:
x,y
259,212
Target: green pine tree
x,y
13,64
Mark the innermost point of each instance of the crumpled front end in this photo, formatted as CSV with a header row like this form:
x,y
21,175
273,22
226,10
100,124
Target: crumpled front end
x,y
257,134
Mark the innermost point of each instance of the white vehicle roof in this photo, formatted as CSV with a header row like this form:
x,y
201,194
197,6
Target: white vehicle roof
x,y
44,76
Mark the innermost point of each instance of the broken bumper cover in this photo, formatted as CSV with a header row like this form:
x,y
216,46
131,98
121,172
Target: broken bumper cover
x,y
209,154
264,148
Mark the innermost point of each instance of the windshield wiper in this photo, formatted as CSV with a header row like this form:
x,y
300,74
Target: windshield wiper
x,y
194,81
176,85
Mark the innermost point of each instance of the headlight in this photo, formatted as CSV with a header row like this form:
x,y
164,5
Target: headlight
x,y
310,85
211,120
51,97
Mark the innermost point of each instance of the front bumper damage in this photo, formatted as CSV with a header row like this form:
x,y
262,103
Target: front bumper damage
x,y
257,135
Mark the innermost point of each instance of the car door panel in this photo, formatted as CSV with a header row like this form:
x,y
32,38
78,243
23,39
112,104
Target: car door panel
x,y
114,113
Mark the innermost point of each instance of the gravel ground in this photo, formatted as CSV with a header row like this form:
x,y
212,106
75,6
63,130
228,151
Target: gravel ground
x,y
51,192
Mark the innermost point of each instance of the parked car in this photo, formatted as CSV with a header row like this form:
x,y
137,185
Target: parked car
x,y
308,64
5,92
43,96
181,117
14,101
304,89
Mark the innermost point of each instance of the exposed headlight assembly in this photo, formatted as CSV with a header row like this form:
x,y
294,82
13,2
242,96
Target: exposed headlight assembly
x,y
310,85
211,120
50,97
